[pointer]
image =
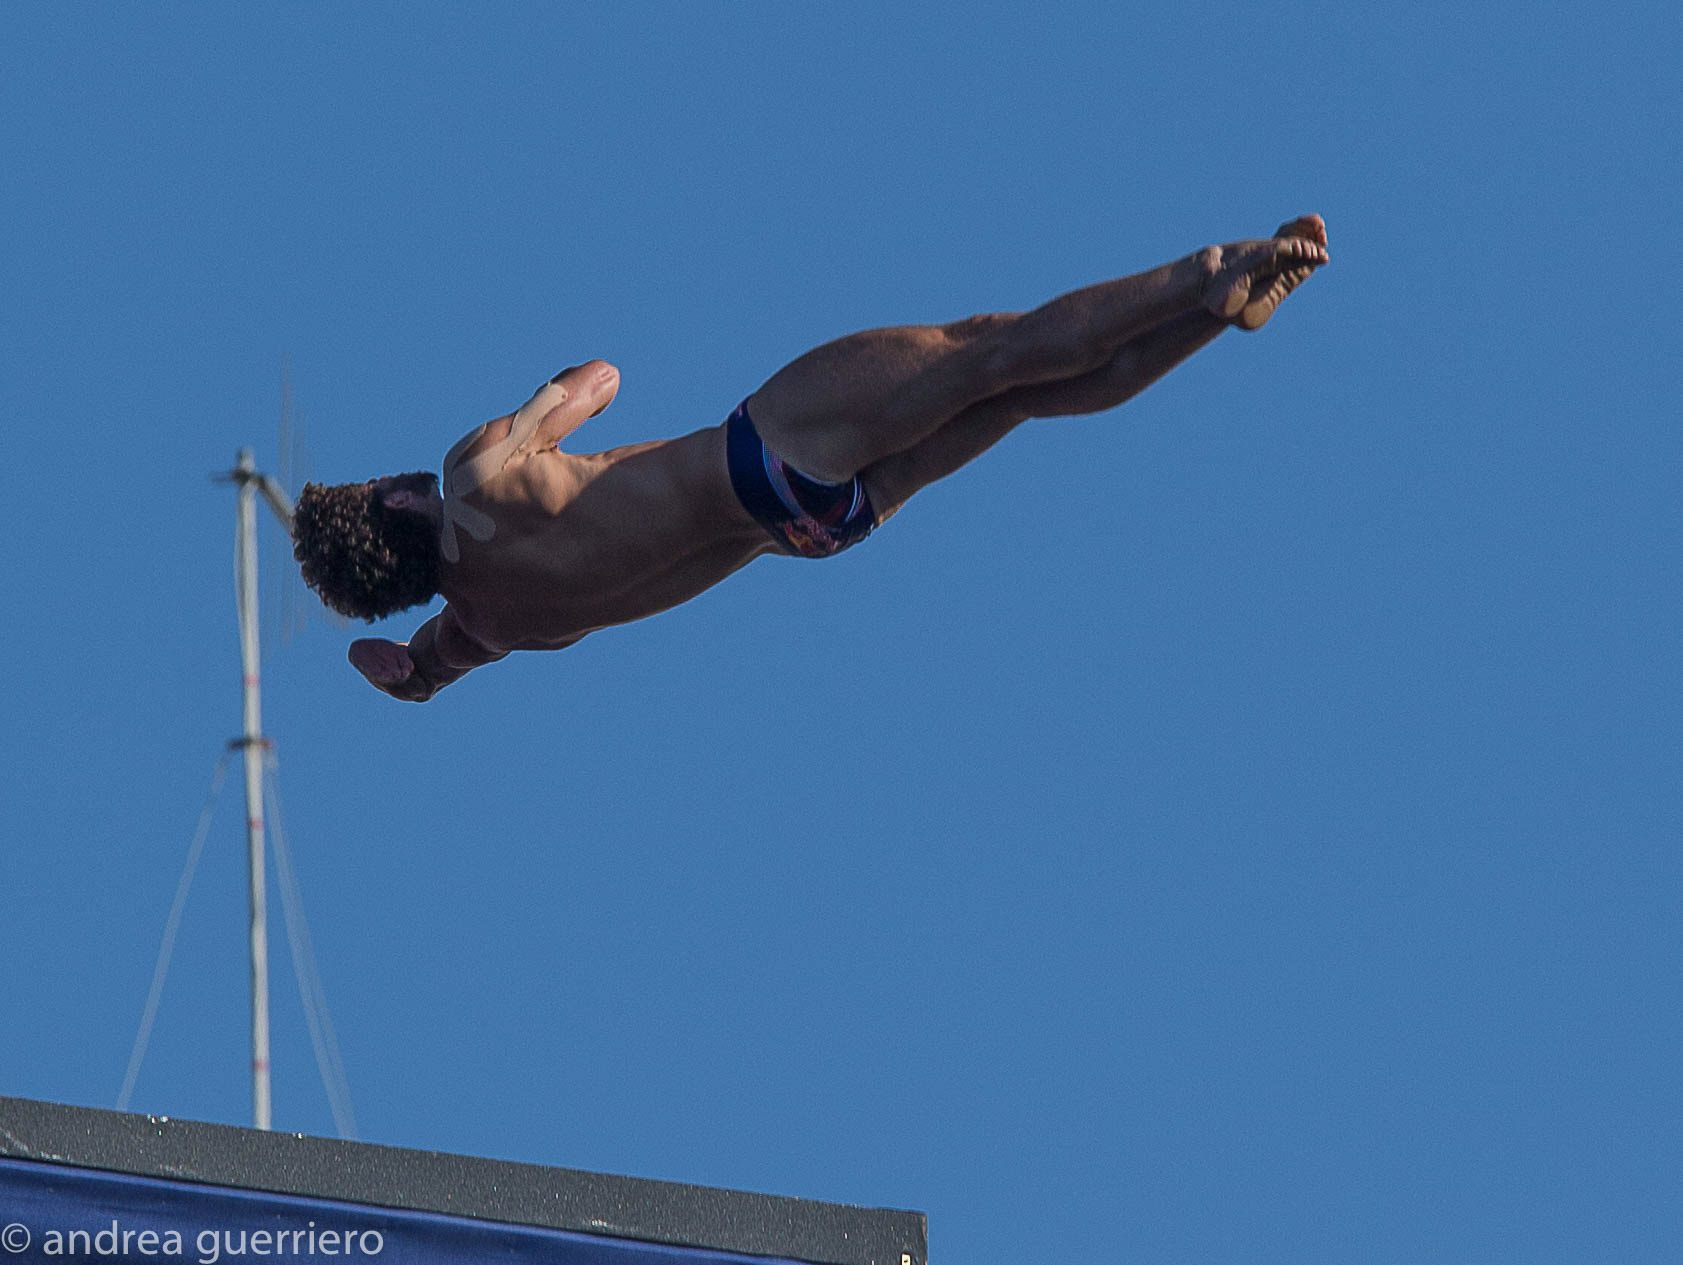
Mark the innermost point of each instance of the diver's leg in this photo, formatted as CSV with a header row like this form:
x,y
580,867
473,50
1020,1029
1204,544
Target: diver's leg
x,y
893,479
852,402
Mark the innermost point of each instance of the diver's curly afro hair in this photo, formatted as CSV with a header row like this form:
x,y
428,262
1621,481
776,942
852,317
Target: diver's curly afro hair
x,y
365,560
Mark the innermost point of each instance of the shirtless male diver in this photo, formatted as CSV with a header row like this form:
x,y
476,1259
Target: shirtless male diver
x,y
533,548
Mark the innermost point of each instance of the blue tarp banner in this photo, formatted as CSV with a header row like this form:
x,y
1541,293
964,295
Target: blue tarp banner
x,y
53,1212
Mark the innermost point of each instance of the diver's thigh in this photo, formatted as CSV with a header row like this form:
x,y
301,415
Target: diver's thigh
x,y
851,402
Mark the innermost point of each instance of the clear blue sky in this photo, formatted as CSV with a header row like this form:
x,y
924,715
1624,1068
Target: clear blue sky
x,y
1244,826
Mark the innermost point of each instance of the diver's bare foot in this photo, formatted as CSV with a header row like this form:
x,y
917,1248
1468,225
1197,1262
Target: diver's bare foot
x,y
1272,293
1245,287
1309,227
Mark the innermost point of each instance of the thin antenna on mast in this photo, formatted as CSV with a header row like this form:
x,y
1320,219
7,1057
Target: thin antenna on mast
x,y
292,465
283,466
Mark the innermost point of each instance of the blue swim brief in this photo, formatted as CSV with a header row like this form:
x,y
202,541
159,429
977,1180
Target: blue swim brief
x,y
808,517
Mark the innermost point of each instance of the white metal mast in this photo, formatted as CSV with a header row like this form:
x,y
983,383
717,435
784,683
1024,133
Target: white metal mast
x,y
254,745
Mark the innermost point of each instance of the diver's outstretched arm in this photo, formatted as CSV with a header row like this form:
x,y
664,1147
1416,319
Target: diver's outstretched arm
x,y
440,652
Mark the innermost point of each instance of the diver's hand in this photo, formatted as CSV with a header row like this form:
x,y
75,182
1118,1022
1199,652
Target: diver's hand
x,y
389,669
